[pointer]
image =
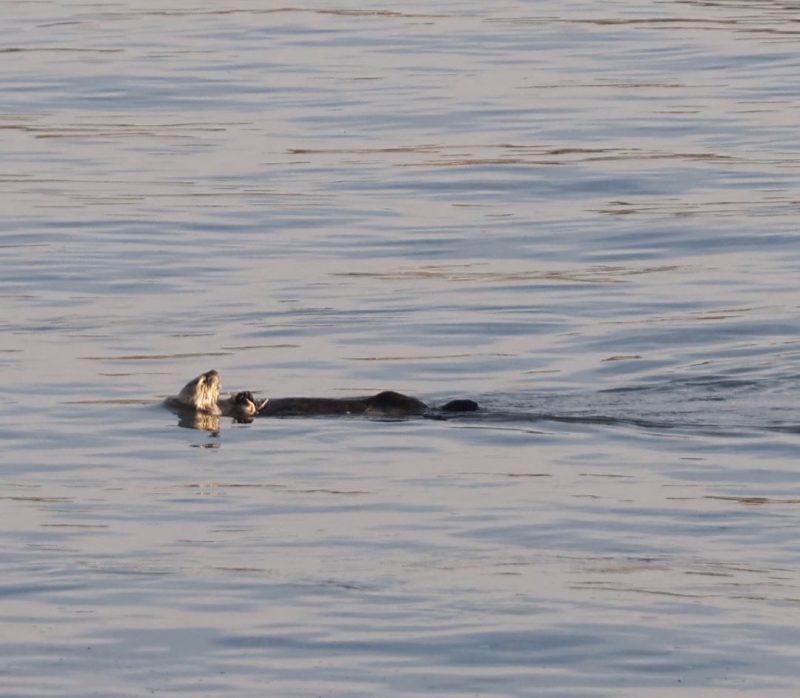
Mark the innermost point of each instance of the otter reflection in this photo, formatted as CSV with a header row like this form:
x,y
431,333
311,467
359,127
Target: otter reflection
x,y
200,406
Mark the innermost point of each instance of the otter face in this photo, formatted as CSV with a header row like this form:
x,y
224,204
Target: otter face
x,y
202,393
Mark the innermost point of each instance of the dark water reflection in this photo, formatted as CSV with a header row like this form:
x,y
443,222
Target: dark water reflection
x,y
584,216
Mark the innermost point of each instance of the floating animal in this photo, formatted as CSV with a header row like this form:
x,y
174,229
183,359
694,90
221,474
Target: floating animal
x,y
200,398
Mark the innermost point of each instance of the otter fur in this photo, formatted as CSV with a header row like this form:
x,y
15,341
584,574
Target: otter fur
x,y
385,404
201,397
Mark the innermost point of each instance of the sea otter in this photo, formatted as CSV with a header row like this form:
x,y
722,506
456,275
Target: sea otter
x,y
201,397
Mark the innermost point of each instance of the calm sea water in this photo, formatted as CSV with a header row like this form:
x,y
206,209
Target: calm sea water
x,y
585,215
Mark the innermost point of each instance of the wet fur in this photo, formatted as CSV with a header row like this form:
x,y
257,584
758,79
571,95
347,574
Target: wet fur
x,y
385,404
201,395
200,399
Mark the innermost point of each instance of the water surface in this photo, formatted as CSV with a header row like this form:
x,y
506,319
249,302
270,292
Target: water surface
x,y
582,215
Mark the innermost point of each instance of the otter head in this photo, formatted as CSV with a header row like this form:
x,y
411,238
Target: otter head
x,y
202,393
